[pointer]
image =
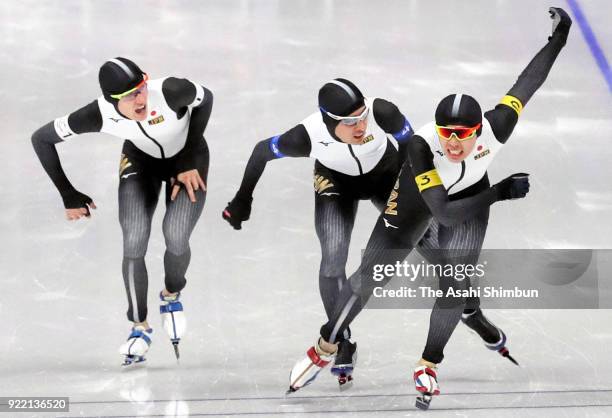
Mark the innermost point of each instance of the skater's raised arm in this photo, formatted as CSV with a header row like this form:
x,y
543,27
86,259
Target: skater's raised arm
x,y
505,115
436,196
393,122
44,140
293,143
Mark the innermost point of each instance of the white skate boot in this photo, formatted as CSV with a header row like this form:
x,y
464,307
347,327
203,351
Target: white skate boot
x,y
136,346
426,382
173,319
307,369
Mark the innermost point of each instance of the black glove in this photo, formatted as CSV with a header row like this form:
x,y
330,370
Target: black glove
x,y
561,23
238,211
514,187
76,200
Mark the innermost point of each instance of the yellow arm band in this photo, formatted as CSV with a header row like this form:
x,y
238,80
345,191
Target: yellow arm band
x,y
428,179
513,103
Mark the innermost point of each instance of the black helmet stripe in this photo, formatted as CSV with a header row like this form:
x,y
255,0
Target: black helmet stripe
x,y
346,88
456,105
124,67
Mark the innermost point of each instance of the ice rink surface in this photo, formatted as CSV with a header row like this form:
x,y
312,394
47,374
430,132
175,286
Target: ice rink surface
x,y
252,297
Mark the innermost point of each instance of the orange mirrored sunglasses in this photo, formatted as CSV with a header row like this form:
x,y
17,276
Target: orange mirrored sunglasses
x,y
462,133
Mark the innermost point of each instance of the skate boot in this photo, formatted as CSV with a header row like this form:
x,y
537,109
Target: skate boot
x,y
345,361
307,369
173,319
493,337
426,382
136,346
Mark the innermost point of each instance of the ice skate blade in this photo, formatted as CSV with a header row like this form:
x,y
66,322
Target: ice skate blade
x,y
176,350
290,391
131,362
346,386
422,402
504,352
345,381
509,357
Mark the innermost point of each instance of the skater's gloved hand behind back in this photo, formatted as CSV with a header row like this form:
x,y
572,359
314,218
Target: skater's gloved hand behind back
x,y
238,211
77,205
514,187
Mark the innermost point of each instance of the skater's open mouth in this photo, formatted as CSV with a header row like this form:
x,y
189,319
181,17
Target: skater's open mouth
x,y
454,154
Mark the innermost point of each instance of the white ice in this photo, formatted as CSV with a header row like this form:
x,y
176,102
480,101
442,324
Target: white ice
x,y
252,298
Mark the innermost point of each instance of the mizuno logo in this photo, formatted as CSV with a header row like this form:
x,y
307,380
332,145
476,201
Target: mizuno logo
x,y
389,225
128,174
440,153
325,143
116,120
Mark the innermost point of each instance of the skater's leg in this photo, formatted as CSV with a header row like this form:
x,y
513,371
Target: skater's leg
x,y
472,316
138,195
442,245
181,217
382,248
335,210
460,244
398,229
179,222
334,220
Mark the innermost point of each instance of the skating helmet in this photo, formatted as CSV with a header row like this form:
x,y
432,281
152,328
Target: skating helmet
x,y
118,76
458,109
339,97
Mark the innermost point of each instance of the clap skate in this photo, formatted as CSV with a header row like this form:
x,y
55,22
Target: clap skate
x,y
306,370
426,382
344,363
493,337
136,346
173,319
